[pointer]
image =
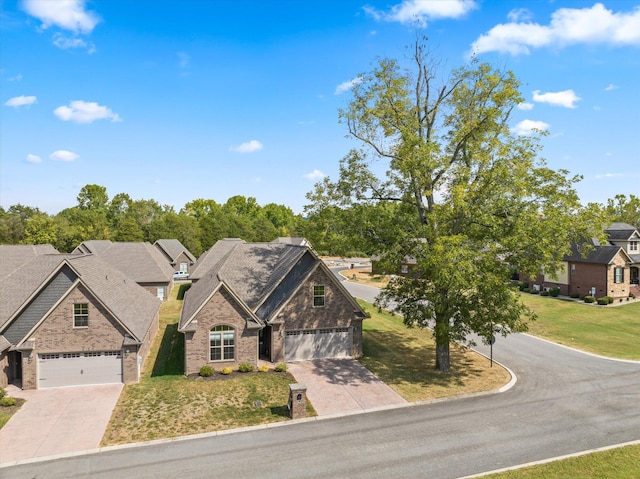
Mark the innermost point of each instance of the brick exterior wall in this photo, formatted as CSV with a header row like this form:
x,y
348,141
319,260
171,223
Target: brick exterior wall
x,y
153,289
57,335
338,312
618,290
587,276
221,309
183,258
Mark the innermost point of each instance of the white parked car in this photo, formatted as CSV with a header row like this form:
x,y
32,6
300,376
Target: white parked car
x,y
180,275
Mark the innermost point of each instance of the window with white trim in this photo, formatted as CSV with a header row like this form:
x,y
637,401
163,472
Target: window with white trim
x,y
80,315
160,292
222,343
318,296
633,246
618,275
184,267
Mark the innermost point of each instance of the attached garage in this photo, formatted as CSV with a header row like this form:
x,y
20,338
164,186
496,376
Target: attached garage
x,y
305,344
75,369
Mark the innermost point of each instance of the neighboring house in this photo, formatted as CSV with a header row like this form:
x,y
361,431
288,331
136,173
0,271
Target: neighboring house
x,y
293,240
179,257
607,270
70,319
275,301
408,264
140,261
212,256
13,256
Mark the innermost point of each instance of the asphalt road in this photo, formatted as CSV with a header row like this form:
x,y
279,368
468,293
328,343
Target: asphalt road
x,y
563,402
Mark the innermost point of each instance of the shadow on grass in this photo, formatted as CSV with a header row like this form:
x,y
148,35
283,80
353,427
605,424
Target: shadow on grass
x,y
282,411
169,361
396,359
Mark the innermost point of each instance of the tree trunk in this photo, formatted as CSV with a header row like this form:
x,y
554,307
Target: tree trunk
x,y
443,361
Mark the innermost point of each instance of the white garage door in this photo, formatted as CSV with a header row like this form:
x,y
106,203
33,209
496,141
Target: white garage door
x,y
307,344
74,369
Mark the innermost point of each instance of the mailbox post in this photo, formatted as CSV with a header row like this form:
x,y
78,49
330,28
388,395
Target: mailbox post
x,y
297,401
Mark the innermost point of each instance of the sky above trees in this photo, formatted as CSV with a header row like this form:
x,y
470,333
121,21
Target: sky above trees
x,y
183,100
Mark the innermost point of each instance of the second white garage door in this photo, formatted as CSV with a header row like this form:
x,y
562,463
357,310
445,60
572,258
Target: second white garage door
x,y
74,369
307,344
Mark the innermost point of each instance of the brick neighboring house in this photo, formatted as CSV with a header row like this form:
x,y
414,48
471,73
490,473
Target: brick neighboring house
x,y
275,301
607,270
179,257
140,261
70,319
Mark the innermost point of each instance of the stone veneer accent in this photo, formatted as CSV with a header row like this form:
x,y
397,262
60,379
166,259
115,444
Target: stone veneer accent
x,y
221,309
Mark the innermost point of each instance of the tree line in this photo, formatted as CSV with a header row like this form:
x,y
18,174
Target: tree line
x,y
198,225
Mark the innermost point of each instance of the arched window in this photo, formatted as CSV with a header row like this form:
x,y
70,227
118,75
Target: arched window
x,y
222,343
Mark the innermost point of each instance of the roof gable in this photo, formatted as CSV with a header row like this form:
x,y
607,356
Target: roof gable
x,y
173,248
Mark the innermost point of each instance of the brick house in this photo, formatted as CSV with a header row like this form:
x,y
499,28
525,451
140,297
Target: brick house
x,y
274,301
70,319
179,257
140,261
607,270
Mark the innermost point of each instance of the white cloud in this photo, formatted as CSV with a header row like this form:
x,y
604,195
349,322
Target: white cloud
x,y
66,14
315,175
527,127
85,112
565,98
608,175
33,158
346,86
420,11
610,87
595,25
520,14
63,155
525,106
247,147
21,100
65,43
18,77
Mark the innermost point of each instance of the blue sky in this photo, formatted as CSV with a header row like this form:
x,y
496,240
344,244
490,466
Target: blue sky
x,y
179,100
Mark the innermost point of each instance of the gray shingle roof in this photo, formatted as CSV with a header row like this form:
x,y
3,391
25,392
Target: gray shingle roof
x,y
599,255
131,304
93,246
13,256
173,249
212,256
620,231
140,261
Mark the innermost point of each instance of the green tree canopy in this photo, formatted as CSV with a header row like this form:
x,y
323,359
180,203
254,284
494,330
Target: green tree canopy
x,y
441,179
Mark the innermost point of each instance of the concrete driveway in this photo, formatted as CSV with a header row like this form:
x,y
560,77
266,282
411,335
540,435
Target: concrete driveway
x,y
337,386
57,421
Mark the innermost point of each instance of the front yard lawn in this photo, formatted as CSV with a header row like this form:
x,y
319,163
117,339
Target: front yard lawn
x,y
612,331
405,360
166,404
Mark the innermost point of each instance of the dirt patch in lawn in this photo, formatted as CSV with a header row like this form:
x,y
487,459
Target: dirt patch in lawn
x,y
364,276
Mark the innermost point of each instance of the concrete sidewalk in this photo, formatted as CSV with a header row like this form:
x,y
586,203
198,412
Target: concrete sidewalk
x,y
57,421
342,385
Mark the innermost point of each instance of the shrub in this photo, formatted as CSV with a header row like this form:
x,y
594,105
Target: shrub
x,y
523,285
632,296
245,367
7,401
206,371
554,291
526,290
534,291
574,295
544,293
602,301
264,368
226,371
281,368
3,392
591,299
610,299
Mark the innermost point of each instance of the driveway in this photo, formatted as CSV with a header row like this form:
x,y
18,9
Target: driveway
x,y
57,421
337,386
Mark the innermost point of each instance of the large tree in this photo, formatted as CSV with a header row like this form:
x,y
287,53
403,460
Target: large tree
x,y
440,178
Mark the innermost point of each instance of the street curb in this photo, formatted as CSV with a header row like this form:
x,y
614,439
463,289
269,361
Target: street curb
x,y
630,361
259,427
552,459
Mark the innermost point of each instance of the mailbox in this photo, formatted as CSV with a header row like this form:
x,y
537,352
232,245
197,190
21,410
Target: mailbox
x,y
297,401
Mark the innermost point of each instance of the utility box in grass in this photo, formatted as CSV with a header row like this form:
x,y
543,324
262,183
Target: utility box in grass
x,y
297,401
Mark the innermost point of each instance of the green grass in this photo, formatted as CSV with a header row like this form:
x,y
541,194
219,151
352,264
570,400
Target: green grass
x,y
7,412
605,330
405,359
621,463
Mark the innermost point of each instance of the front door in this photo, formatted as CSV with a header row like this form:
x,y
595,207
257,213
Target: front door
x,y
634,275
